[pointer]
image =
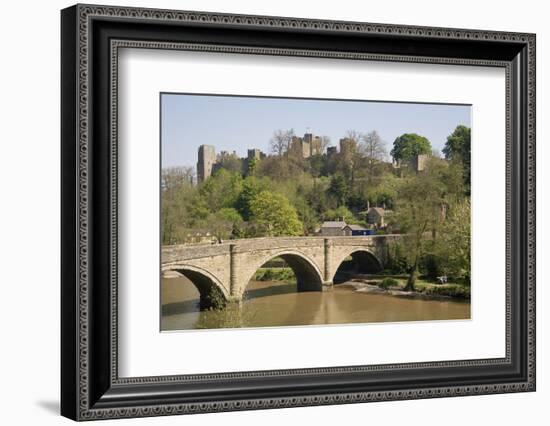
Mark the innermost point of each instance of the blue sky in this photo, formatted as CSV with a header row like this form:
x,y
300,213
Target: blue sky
x,y
234,123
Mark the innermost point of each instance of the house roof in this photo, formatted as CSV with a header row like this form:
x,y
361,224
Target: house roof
x,y
378,210
333,224
356,228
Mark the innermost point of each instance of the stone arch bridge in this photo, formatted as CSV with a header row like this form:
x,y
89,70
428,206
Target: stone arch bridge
x,y
228,267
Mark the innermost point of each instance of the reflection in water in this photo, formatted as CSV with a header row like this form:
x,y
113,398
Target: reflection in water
x,y
275,303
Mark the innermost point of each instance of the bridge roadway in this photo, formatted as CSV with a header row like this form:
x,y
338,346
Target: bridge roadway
x,y
227,268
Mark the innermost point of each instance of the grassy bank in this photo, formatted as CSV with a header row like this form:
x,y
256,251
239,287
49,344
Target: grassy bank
x,y
386,282
274,274
422,286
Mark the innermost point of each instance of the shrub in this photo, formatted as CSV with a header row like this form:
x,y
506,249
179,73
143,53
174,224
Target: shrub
x,y
451,290
432,266
388,282
397,262
274,274
213,300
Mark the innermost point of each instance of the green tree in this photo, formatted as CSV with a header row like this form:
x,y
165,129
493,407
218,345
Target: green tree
x,y
177,194
317,197
418,211
281,168
197,210
454,244
221,190
274,215
251,187
457,149
219,226
348,158
317,164
306,215
230,162
458,144
223,222
341,213
231,215
385,192
407,146
339,189
252,166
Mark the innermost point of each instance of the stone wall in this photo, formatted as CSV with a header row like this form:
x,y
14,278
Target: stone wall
x,y
231,265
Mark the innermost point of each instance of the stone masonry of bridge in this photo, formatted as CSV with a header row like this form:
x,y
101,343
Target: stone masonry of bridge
x,y
230,266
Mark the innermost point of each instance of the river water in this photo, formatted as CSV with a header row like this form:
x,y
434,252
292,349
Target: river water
x,y
275,304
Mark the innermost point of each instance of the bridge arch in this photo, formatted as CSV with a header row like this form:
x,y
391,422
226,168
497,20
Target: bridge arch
x,y
308,275
213,294
363,261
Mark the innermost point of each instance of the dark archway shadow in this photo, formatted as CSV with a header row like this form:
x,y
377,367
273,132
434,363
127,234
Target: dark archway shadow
x,y
210,294
306,278
359,262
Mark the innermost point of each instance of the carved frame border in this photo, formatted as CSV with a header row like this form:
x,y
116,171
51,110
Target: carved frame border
x,y
85,409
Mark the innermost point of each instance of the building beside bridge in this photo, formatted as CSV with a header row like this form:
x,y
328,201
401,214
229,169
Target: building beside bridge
x,y
332,228
377,216
356,230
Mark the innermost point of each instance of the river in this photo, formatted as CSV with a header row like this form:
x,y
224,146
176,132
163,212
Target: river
x,y
275,304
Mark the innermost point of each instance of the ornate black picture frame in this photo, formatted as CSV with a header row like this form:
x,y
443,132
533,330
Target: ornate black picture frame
x,y
91,387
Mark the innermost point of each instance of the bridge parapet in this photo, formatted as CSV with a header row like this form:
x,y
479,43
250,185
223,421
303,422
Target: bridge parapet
x,y
247,244
182,252
251,244
363,239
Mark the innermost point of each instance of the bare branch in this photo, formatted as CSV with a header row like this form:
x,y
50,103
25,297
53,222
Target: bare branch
x,y
281,140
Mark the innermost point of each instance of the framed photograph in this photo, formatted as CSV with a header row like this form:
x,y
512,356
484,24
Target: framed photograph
x,y
263,212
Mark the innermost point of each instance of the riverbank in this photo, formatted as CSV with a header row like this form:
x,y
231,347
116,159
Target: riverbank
x,y
395,286
392,285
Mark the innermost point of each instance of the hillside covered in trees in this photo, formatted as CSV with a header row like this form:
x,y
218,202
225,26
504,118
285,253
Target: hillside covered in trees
x,y
285,194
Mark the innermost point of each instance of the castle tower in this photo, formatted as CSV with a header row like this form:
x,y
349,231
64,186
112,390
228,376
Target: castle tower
x,y
348,146
420,162
206,160
316,145
306,145
255,154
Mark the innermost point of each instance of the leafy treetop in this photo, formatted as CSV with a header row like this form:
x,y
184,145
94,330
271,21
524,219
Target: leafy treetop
x,y
409,145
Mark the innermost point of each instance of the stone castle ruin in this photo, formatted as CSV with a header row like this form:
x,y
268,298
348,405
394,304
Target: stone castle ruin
x,y
208,161
307,146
